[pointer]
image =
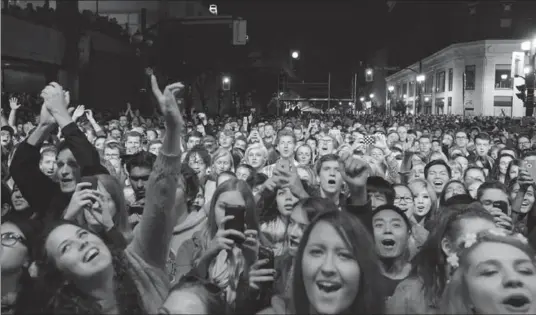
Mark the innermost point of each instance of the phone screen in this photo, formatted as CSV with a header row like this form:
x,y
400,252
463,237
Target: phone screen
x,y
530,166
238,222
90,179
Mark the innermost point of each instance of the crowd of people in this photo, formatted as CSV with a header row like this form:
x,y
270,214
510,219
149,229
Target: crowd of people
x,y
309,214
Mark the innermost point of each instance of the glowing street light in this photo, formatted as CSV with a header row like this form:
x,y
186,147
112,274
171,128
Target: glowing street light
x,y
295,54
226,83
504,76
525,46
391,88
371,95
421,78
362,99
426,99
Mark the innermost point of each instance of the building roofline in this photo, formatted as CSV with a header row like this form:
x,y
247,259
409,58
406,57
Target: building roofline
x,y
449,48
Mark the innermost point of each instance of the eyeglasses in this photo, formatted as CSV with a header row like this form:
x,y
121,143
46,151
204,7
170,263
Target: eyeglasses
x,y
10,239
406,199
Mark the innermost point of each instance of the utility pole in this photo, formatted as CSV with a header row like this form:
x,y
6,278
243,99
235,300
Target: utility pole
x,y
529,81
329,91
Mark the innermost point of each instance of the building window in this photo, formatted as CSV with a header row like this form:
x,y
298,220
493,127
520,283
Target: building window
x,y
399,90
440,105
429,83
440,82
411,91
449,106
503,80
405,89
469,77
451,78
502,106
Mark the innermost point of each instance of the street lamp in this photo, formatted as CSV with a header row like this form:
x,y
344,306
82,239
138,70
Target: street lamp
x,y
421,78
362,99
295,54
391,88
504,76
426,99
226,83
371,95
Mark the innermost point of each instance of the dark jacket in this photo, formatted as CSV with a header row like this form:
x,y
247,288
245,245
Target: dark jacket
x,y
43,194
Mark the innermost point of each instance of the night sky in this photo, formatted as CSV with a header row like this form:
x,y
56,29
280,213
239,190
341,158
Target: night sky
x,y
331,35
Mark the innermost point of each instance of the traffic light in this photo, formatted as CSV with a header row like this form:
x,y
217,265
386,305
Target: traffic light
x,y
369,75
522,94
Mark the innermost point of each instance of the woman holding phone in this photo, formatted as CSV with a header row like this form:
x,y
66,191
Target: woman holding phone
x,y
225,249
99,203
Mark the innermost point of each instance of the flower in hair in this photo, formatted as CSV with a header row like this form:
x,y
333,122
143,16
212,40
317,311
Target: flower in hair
x,y
453,260
470,240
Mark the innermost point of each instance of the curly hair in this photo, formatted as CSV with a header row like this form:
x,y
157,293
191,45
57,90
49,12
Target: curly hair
x,y
65,298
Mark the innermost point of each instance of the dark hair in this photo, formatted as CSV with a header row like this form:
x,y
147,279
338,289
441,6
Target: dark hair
x,y
370,296
429,265
191,182
483,136
473,167
434,163
323,159
491,185
514,162
391,207
195,134
380,185
257,179
201,151
65,298
141,159
251,170
442,199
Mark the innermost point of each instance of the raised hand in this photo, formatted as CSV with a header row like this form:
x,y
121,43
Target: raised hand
x,y
82,197
78,112
102,217
89,115
250,247
381,142
55,98
356,171
222,238
14,103
259,275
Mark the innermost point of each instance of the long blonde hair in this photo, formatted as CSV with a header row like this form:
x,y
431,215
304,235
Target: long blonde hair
x,y
419,183
236,263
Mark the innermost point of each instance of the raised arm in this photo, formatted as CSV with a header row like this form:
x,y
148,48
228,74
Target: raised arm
x,y
153,234
35,186
85,153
